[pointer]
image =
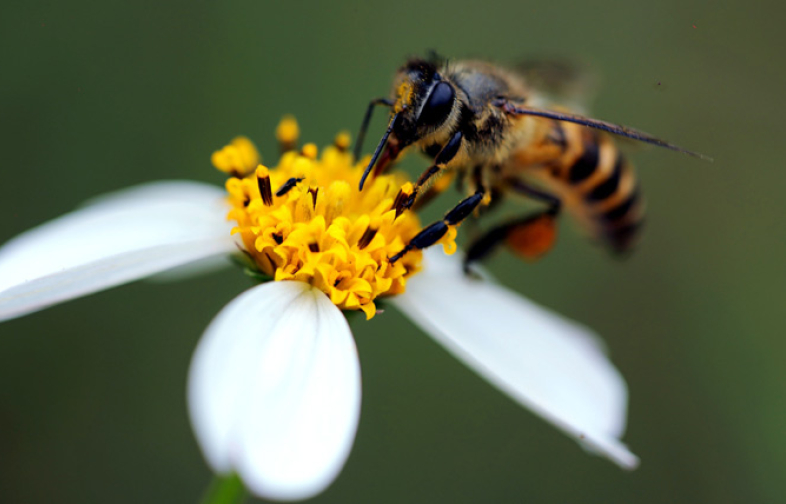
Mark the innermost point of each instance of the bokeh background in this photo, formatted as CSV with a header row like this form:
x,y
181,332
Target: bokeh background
x,y
96,96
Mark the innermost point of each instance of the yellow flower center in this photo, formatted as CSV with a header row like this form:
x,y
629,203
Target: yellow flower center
x,y
306,220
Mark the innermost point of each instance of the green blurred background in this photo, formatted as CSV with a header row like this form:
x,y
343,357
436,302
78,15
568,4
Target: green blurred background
x,y
97,96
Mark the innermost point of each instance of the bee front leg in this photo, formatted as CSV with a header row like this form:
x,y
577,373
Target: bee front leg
x,y
437,188
446,154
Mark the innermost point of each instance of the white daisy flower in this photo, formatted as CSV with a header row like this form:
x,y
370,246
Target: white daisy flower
x,y
274,388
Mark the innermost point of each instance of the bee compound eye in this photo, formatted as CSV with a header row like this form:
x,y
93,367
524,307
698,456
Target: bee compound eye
x,y
438,105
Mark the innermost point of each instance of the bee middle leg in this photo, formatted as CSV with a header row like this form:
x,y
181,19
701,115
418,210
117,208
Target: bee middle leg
x,y
530,236
431,234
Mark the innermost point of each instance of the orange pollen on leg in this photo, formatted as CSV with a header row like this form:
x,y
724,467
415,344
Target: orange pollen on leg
x,y
533,239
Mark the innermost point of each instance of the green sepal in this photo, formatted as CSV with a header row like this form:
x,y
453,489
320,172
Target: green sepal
x,y
249,267
257,275
225,490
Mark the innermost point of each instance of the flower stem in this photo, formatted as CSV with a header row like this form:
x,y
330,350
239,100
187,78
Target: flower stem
x,y
227,489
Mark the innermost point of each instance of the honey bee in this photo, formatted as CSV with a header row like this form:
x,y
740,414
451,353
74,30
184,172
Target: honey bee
x,y
478,122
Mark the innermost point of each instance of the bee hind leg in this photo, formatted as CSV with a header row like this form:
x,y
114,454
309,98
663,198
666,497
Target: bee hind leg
x,y
530,237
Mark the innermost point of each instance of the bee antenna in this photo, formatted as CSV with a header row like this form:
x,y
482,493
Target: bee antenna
x,y
366,119
616,129
378,150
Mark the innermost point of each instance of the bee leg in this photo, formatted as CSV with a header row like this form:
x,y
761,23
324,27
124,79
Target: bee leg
x,y
431,234
366,120
531,236
426,178
435,190
525,189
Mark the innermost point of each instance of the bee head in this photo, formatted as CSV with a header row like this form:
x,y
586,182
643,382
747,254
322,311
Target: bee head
x,y
424,106
424,101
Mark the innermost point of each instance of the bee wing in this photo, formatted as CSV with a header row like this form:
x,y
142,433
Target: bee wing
x,y
565,83
558,86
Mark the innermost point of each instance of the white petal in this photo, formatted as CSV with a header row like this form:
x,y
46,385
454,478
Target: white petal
x,y
52,262
71,283
190,270
548,364
274,390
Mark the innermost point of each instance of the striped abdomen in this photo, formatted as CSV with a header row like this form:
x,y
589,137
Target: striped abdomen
x,y
598,183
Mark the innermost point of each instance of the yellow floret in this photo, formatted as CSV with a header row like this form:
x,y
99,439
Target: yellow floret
x,y
323,230
309,150
238,158
342,141
287,132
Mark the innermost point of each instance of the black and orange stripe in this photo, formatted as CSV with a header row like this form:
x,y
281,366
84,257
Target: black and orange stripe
x,y
603,183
